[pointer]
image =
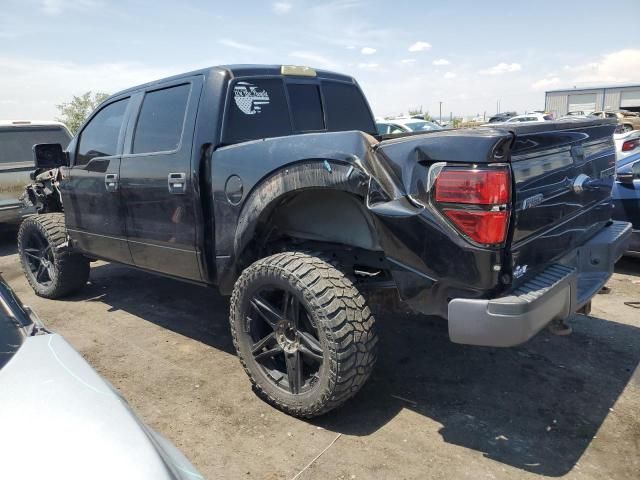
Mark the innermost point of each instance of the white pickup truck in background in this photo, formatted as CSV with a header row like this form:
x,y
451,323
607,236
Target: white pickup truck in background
x,y
17,139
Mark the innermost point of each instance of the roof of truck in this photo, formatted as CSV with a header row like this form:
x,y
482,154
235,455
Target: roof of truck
x,y
242,70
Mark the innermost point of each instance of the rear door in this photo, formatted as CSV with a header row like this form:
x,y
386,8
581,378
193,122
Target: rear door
x,y
91,197
157,180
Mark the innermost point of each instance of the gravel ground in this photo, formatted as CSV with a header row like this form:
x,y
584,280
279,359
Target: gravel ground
x,y
554,407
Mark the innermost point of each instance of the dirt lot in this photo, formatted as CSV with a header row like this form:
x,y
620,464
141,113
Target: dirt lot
x,y
557,406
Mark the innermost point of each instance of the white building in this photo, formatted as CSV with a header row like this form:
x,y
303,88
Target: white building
x,y
587,100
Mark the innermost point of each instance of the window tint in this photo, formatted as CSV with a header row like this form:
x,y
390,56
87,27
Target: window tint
x,y
306,107
346,108
16,144
161,119
257,109
100,136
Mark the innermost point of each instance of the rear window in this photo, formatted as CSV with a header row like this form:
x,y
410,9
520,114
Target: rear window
x,y
346,108
306,107
258,109
16,143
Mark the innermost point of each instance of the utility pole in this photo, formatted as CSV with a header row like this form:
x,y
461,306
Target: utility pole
x,y
440,113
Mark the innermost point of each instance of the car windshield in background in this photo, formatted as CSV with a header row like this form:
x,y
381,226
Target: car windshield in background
x,y
421,126
16,144
11,337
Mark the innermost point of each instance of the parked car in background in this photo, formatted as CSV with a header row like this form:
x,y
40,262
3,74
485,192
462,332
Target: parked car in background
x,y
60,419
502,117
629,120
17,139
405,125
627,143
530,117
576,113
626,197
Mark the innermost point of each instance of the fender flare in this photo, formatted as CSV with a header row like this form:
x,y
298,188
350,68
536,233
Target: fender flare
x,y
317,174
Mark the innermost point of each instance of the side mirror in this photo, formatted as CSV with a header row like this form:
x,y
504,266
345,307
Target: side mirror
x,y
50,155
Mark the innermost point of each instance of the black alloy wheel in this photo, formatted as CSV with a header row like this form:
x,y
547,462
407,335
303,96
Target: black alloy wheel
x,y
303,332
286,344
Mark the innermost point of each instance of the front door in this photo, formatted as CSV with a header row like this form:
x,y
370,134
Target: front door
x,y
157,181
91,196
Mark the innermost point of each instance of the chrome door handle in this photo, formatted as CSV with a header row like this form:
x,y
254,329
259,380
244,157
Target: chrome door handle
x,y
111,182
177,183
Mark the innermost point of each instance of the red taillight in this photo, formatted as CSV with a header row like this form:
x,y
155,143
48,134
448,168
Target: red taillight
x,y
484,188
479,187
481,226
630,145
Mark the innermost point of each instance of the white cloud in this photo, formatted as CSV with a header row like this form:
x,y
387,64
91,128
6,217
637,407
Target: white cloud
x,y
227,42
368,65
419,47
315,59
368,51
450,75
282,8
545,83
408,61
441,61
35,96
501,68
615,67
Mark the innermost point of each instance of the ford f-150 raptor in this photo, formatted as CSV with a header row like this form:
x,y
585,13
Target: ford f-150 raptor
x,y
271,183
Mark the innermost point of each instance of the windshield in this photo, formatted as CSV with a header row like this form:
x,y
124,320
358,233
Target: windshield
x,y
16,143
12,335
420,126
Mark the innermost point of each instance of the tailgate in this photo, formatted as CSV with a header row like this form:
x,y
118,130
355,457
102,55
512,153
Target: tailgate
x,y
563,175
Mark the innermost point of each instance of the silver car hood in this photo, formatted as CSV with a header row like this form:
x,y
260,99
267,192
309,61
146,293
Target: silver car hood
x,y
60,419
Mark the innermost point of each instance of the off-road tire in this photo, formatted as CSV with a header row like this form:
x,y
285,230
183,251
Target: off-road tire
x,y
71,268
344,323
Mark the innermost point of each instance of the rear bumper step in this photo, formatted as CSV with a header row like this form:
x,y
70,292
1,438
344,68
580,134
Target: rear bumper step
x,y
555,293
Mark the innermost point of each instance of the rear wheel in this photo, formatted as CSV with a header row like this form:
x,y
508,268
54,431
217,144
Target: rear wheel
x,y
627,128
303,333
52,270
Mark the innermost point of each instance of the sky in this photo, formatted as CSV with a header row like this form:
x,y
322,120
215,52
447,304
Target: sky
x,y
405,54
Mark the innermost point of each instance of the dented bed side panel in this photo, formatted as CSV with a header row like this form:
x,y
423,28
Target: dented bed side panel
x,y
429,261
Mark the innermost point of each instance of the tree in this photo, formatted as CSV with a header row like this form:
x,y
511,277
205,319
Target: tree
x,y
74,113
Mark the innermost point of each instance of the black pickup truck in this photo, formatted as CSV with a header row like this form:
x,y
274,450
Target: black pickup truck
x,y
270,183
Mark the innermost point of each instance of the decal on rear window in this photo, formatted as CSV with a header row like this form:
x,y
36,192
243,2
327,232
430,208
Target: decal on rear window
x,y
250,98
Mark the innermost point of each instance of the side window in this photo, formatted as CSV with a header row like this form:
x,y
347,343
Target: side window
x,y
100,137
306,107
161,118
257,108
383,128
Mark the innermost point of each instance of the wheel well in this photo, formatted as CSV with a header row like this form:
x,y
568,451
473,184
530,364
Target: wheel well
x,y
314,215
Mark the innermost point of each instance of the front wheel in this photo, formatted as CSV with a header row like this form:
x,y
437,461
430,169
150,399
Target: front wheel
x,y
303,333
52,270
